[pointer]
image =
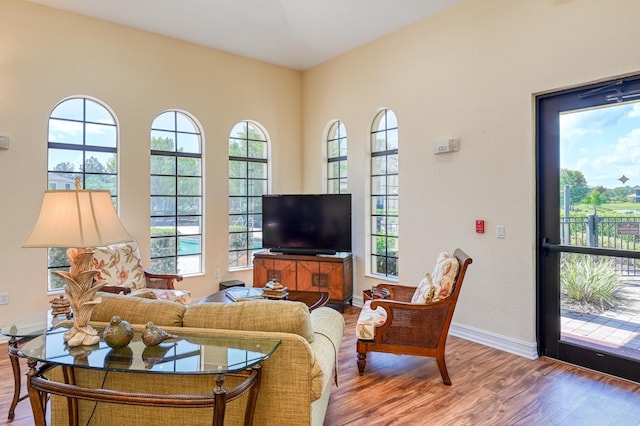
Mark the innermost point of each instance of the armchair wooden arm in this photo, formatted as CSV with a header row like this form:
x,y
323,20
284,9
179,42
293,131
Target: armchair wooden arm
x,y
398,292
163,281
159,281
116,289
414,329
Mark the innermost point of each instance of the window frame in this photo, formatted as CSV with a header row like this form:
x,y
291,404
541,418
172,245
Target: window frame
x,y
385,263
335,136
247,215
57,260
170,262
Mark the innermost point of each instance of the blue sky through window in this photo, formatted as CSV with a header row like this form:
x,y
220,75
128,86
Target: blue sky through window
x,y
602,143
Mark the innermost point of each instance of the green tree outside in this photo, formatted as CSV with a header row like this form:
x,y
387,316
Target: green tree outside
x,y
577,185
595,198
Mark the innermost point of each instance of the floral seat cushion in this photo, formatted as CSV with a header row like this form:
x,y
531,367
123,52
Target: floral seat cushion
x,y
119,264
368,320
438,284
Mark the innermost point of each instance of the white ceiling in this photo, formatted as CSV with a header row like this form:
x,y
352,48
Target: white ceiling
x,y
297,34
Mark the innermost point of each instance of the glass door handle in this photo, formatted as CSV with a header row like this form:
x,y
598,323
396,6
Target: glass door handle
x,y
597,251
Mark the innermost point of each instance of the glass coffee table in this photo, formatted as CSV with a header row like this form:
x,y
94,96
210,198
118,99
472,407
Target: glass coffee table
x,y
19,332
187,354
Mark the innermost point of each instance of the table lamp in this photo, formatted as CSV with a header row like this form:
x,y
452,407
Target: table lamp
x,y
78,220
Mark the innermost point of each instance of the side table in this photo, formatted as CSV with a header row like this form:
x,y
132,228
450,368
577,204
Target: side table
x,y
19,332
381,293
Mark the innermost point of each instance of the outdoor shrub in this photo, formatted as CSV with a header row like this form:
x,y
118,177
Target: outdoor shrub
x,y
590,279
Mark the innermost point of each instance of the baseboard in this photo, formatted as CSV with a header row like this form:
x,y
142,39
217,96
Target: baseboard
x,y
507,344
358,301
486,338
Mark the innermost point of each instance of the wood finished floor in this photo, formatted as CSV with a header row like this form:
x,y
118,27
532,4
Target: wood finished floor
x,y
490,387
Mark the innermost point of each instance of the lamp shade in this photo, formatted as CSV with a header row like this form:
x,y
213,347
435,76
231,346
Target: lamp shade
x,y
77,218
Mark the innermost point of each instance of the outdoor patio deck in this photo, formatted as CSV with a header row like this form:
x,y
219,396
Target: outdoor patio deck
x,y
616,331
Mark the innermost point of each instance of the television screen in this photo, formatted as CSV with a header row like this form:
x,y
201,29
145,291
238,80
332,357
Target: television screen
x,y
307,224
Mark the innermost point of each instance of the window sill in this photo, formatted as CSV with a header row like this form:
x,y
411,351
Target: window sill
x,y
382,277
241,268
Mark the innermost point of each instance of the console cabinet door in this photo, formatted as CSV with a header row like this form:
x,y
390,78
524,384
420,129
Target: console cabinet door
x,y
280,270
321,276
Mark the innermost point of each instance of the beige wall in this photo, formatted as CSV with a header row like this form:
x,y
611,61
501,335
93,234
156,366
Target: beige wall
x,y
47,55
469,72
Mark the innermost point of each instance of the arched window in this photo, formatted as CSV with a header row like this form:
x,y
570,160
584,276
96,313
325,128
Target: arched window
x,y
176,194
248,181
82,143
384,194
337,158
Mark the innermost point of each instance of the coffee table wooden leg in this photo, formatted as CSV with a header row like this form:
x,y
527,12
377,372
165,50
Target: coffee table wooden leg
x,y
38,398
72,403
15,366
253,396
220,401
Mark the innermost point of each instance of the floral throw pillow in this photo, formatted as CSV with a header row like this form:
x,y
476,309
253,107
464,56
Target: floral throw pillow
x,y
119,264
439,284
425,291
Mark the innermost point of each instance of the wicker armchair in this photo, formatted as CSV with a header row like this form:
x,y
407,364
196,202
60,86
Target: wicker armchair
x,y
414,329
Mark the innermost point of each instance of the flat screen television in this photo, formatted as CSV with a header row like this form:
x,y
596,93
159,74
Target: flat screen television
x,y
306,223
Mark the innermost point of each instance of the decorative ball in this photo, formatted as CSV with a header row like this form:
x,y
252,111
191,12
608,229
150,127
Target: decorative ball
x,y
117,333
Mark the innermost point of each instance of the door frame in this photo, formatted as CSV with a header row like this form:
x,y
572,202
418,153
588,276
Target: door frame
x,y
547,156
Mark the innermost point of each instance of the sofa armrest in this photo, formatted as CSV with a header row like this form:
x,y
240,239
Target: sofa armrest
x,y
328,328
163,281
328,322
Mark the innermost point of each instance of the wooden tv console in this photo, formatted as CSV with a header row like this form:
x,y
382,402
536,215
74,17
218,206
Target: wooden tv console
x,y
332,274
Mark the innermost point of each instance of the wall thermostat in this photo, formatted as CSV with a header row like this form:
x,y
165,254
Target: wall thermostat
x,y
449,145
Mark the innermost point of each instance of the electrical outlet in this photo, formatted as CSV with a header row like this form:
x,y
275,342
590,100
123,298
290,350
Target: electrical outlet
x,y
4,298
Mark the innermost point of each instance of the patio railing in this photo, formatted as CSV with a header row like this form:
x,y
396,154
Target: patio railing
x,y
611,232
